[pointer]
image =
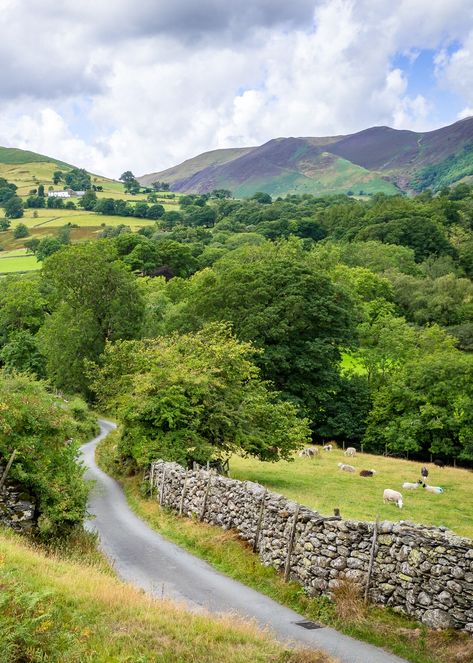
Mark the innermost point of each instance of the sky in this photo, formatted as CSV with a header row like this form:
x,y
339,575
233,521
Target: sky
x,y
114,85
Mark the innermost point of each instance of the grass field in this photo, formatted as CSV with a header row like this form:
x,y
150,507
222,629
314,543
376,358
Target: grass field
x,y
55,218
18,262
319,484
54,609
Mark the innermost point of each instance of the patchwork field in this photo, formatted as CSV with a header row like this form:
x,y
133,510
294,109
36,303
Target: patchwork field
x,y
9,264
319,484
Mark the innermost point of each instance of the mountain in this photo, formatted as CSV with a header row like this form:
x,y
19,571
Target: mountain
x,y
376,159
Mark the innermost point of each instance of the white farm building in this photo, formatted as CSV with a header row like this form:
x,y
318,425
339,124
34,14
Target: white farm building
x,y
66,193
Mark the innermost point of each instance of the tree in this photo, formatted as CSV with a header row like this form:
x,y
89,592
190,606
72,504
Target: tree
x,y
130,183
21,354
426,408
57,176
155,211
88,201
277,299
262,197
78,179
4,223
194,397
20,231
41,190
94,298
14,208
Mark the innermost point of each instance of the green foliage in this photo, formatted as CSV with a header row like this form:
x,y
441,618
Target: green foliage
x,y
442,174
13,208
78,179
276,298
43,430
194,397
20,231
88,200
94,299
426,407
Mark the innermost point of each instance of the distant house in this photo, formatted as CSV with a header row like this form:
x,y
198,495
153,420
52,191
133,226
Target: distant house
x,y
66,193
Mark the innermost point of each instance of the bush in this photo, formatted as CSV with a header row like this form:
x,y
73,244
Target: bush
x,y
46,433
20,231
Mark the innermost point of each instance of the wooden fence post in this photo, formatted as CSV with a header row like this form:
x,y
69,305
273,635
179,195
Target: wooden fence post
x,y
207,490
151,480
7,469
370,565
260,521
287,568
181,505
161,490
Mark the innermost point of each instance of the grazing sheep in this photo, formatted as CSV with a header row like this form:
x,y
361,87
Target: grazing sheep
x,y
346,468
439,463
327,447
424,472
350,451
411,486
432,489
392,496
367,473
310,452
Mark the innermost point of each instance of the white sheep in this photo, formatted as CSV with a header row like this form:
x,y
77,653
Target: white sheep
x,y
432,489
309,452
346,468
392,496
327,447
350,451
410,486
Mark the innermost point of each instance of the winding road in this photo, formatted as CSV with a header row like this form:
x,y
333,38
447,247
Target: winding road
x,y
143,557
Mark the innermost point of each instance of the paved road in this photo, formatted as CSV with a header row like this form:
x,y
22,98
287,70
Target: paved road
x,y
143,557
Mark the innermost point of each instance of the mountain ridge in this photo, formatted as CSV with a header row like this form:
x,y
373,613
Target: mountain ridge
x,y
375,159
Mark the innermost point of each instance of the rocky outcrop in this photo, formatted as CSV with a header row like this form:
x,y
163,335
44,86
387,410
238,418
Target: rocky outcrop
x,y
425,572
17,508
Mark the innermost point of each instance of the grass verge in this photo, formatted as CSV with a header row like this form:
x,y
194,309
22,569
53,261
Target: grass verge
x,y
226,552
54,609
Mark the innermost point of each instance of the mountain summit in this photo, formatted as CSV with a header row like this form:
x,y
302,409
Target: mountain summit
x,y
372,160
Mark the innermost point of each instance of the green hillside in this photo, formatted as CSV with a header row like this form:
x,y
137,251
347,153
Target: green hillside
x,y
12,155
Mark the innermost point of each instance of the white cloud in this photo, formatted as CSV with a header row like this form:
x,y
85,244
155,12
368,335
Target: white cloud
x,y
163,81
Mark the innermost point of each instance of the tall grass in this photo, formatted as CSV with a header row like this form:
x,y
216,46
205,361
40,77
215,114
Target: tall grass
x,y
56,610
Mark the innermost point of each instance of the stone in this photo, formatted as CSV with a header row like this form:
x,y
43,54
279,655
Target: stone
x,y
424,599
436,618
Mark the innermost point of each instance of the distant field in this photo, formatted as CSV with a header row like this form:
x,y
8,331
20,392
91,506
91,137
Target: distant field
x,y
55,218
17,263
319,484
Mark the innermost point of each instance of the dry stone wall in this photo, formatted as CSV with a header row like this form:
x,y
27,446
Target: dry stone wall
x,y
425,572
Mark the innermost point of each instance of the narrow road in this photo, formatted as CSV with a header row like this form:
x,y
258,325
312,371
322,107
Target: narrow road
x,y
143,557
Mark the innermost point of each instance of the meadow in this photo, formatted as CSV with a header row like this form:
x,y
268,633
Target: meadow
x,y
319,484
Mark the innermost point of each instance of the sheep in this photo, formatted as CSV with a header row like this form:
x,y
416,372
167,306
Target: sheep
x,y
432,489
411,486
350,451
424,472
327,447
367,473
392,496
309,452
346,468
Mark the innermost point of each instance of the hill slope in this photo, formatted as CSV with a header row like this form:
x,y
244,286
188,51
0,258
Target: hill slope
x,y
57,610
376,159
